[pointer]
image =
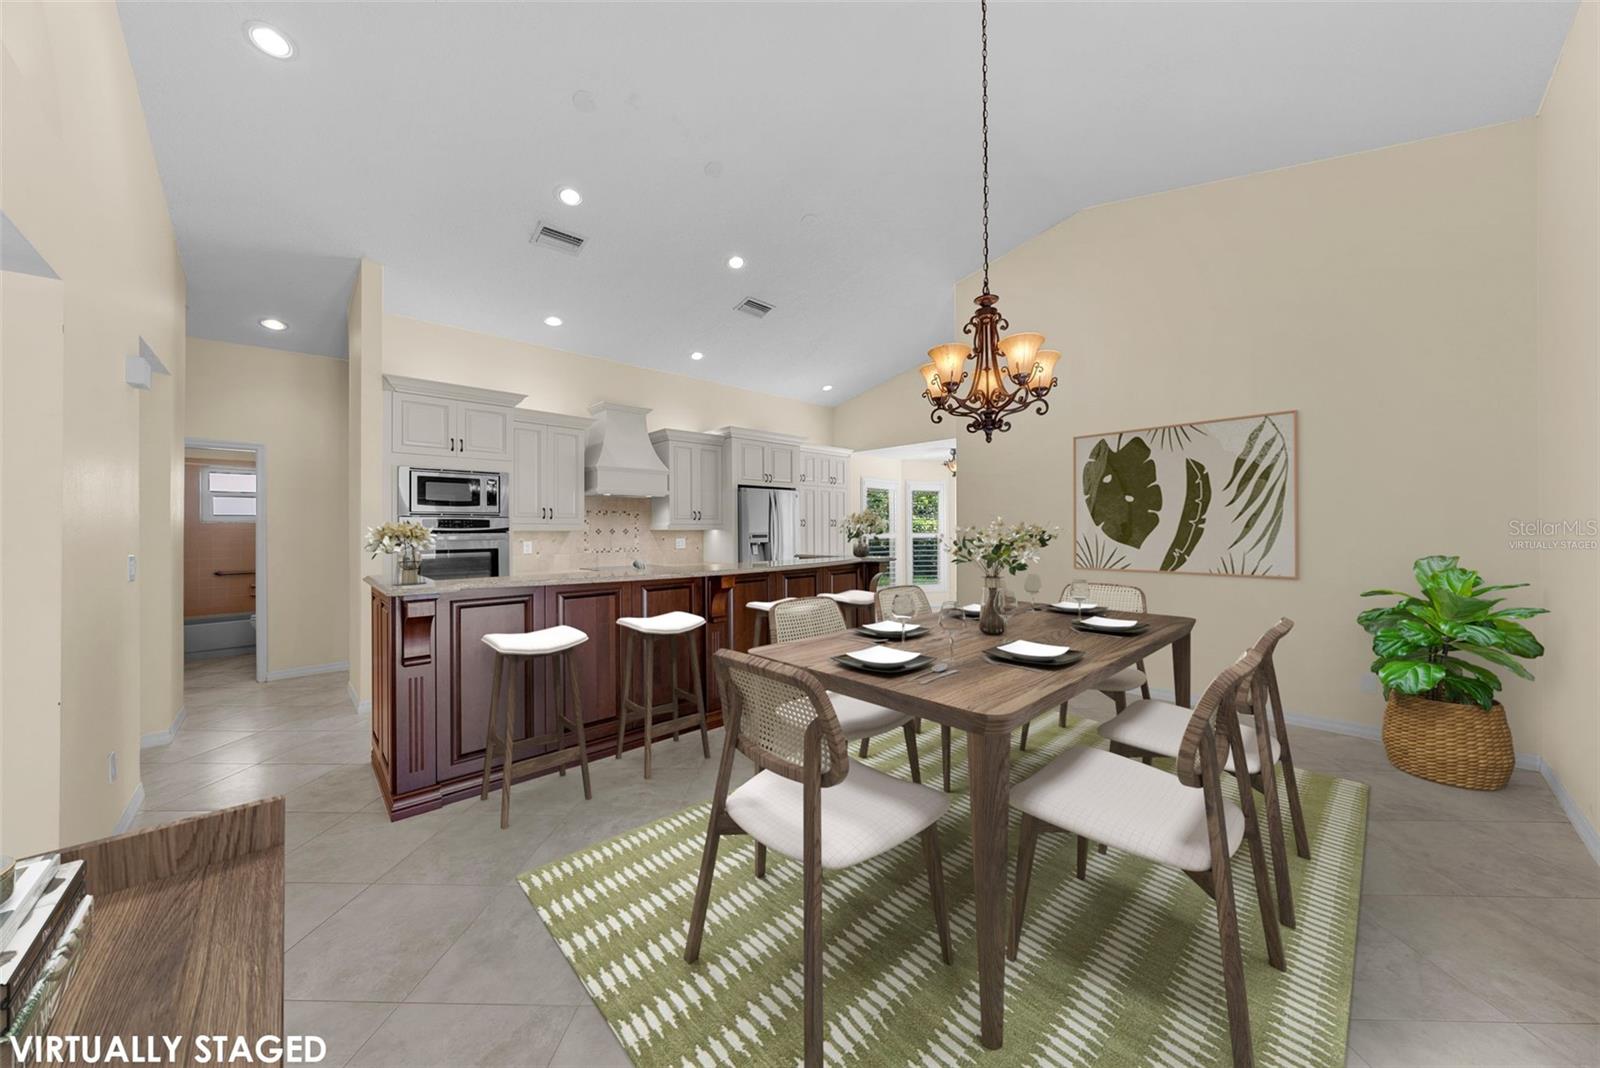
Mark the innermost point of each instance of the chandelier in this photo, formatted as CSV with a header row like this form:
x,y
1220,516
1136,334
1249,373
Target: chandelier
x,y
1011,373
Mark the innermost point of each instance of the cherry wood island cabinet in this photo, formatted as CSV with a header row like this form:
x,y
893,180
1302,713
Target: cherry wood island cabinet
x,y
431,671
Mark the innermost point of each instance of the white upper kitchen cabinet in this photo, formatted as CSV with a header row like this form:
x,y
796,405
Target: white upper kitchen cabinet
x,y
547,471
695,481
761,459
456,426
820,466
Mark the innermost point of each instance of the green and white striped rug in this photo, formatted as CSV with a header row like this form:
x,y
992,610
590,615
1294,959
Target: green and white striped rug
x,y
1120,969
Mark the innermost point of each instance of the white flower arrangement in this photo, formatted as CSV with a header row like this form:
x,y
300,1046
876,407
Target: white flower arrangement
x,y
1001,546
391,538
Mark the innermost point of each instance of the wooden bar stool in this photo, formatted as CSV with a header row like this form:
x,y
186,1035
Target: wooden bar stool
x,y
761,608
670,628
511,652
856,602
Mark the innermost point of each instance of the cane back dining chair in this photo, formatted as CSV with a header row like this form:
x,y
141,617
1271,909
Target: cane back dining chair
x,y
1118,598
811,617
1153,728
808,802
1182,820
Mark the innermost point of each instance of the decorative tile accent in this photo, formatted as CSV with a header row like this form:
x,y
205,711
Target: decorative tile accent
x,y
616,531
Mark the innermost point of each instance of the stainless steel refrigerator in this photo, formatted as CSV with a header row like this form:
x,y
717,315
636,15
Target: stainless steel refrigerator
x,y
768,524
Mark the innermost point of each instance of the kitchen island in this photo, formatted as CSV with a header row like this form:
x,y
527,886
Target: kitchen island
x,y
431,671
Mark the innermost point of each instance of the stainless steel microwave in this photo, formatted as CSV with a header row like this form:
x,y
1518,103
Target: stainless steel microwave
x,y
435,491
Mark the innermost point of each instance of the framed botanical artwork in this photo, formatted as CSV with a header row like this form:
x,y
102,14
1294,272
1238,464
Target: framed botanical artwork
x,y
1219,498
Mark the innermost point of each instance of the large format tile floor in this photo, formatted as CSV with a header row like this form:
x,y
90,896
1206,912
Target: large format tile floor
x,y
409,944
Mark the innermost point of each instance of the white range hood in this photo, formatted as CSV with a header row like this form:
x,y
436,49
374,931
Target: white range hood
x,y
619,460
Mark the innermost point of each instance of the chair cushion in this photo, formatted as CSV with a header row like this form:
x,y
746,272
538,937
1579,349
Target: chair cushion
x,y
536,642
852,597
866,814
1158,726
1129,678
1126,805
863,719
666,623
765,606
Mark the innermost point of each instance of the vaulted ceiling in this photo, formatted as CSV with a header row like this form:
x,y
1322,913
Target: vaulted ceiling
x,y
832,145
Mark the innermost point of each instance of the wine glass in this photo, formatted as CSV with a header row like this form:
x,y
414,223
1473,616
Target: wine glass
x,y
1033,584
1078,593
901,609
1008,603
951,619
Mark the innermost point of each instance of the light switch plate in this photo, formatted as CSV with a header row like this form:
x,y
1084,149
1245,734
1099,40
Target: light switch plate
x,y
133,567
111,766
527,548
681,543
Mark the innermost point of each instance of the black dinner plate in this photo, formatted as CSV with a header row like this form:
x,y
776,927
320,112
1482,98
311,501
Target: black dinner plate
x,y
1086,610
917,630
1123,632
916,663
1071,656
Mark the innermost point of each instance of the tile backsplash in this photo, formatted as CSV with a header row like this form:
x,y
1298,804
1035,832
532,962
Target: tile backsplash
x,y
616,532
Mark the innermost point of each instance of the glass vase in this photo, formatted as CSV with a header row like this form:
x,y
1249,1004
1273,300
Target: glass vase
x,y
408,565
990,621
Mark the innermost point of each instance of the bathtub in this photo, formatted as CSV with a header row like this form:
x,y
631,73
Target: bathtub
x,y
225,635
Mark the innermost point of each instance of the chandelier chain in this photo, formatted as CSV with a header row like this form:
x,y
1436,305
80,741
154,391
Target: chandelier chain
x,y
984,48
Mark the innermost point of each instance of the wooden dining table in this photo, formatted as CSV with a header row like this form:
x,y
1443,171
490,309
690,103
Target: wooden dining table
x,y
989,700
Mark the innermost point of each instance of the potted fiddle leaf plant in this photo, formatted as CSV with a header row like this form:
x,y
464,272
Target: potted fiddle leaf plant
x,y
1435,658
860,526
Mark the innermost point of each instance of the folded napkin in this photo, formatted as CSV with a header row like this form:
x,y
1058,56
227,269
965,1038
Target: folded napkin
x,y
882,655
1111,624
1033,650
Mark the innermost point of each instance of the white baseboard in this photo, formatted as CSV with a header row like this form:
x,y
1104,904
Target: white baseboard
x,y
1580,822
131,812
361,707
312,669
155,738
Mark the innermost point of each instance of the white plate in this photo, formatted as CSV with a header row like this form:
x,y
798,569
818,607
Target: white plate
x,y
1033,650
888,626
1108,623
972,609
1077,606
881,655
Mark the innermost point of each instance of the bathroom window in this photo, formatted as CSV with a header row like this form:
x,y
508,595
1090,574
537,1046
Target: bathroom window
x,y
227,495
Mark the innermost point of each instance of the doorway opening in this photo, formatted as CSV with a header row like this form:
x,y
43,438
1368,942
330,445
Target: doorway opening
x,y
224,558
914,491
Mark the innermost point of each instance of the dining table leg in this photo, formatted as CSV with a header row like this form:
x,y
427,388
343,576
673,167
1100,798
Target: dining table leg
x,y
1180,671
989,780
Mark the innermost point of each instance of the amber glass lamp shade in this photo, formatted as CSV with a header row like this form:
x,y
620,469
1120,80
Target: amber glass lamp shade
x,y
1020,351
949,361
1044,369
930,377
988,385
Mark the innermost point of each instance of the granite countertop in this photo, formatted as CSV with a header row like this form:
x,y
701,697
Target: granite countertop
x,y
432,588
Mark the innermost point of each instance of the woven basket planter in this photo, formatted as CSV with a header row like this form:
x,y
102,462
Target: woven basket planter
x,y
1459,745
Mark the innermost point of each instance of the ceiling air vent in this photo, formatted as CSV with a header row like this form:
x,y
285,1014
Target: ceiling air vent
x,y
752,306
560,240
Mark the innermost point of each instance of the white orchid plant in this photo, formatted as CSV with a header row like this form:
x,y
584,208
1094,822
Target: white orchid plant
x,y
391,538
1001,546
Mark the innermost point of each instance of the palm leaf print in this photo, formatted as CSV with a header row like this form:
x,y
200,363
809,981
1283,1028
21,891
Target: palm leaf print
x,y
1192,524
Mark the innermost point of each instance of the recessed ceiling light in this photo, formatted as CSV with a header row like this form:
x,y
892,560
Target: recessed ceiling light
x,y
736,262
826,389
274,324
552,320
269,39
569,196
697,355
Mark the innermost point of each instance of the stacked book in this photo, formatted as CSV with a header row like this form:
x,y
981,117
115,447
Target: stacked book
x,y
43,924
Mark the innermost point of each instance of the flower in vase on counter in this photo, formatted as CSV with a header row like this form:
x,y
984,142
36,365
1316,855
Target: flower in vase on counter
x,y
406,540
859,526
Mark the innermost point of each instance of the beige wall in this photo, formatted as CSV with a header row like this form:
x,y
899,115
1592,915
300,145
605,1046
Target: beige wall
x,y
364,430
1388,296
295,405
30,562
78,178
1568,409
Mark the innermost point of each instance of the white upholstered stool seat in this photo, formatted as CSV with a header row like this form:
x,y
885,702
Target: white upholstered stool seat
x,y
666,623
1157,727
1129,678
765,606
853,598
536,642
1126,805
866,814
863,719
